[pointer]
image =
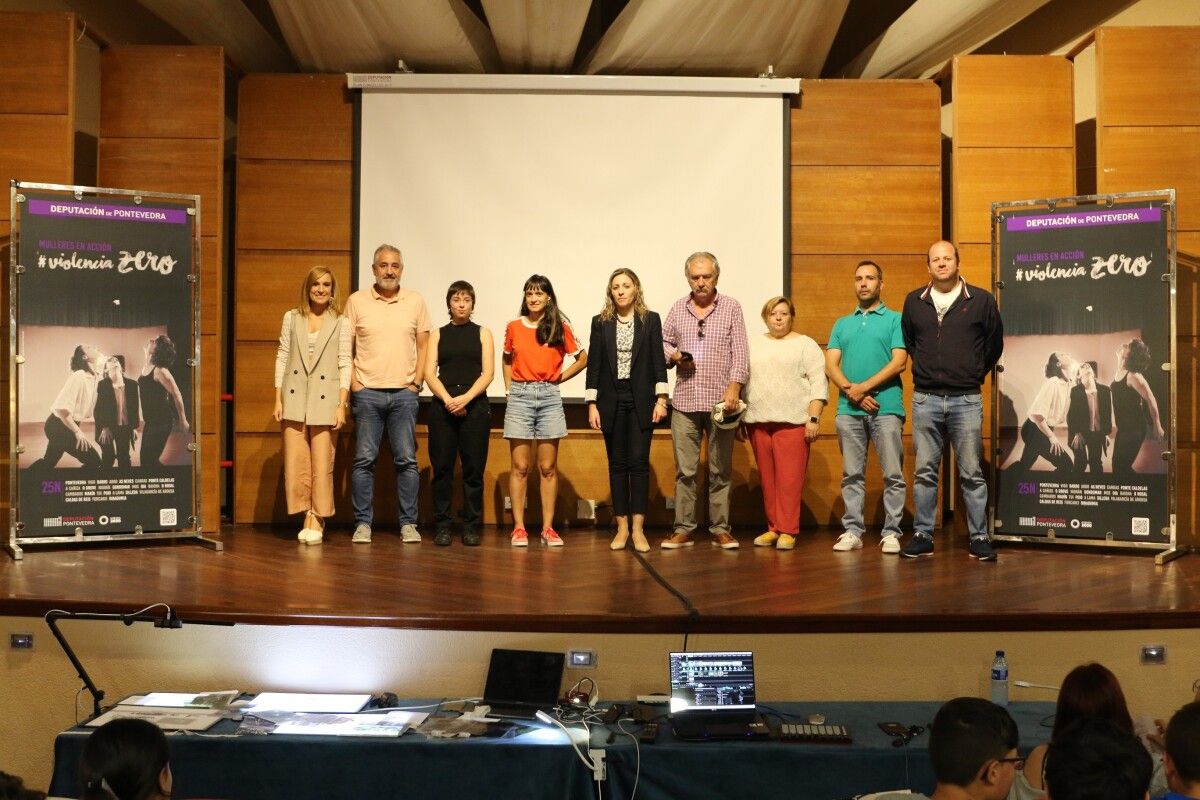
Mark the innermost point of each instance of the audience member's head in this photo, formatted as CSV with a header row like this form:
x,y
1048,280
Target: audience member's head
x,y
973,745
1182,759
13,788
1090,690
1096,759
125,759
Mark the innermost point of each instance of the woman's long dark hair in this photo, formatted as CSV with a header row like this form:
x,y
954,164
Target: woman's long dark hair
x,y
550,326
1090,690
79,360
123,759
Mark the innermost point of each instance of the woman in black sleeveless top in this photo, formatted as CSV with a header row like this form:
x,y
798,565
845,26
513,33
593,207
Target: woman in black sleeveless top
x,y
458,372
1133,405
162,402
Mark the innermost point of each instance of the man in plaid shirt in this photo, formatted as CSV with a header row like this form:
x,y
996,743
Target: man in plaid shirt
x,y
704,338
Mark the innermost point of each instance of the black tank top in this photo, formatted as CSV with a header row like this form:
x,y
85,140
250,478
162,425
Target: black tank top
x,y
460,360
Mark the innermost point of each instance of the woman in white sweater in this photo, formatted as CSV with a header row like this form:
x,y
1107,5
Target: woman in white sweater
x,y
785,396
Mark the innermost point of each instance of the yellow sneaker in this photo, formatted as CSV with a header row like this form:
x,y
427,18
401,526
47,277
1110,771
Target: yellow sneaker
x,y
767,539
786,542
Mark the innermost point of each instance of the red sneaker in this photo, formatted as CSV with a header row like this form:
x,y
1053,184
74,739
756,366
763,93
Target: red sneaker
x,y
519,538
551,538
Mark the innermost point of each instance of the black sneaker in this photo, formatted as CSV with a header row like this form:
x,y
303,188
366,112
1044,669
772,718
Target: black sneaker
x,y
471,536
981,548
443,537
918,546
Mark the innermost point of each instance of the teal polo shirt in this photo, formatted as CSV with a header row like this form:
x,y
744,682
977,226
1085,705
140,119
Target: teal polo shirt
x,y
866,339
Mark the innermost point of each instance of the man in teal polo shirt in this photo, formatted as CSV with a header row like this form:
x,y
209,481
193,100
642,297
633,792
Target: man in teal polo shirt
x,y
865,357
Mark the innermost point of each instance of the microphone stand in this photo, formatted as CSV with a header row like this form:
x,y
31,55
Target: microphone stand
x,y
167,620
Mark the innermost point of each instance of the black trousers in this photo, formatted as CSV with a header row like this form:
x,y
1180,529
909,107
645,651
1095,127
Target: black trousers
x,y
1089,456
1126,448
59,441
118,448
464,439
154,440
1038,444
628,448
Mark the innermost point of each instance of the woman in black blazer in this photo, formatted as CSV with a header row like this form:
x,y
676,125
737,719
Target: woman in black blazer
x,y
626,395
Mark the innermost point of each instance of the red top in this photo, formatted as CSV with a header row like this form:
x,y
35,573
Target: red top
x,y
532,361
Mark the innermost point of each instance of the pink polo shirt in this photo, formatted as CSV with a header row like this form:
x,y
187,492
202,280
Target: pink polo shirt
x,y
384,333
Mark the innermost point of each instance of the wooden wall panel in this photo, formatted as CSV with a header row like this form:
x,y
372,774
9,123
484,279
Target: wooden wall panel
x,y
37,63
33,146
294,205
1014,101
178,166
141,147
1013,136
273,280
1148,76
823,287
852,209
1148,137
318,106
151,92
829,124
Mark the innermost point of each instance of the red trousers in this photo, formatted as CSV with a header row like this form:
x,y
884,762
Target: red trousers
x,y
782,455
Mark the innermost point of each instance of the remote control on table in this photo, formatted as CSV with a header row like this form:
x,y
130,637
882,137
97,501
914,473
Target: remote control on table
x,y
649,733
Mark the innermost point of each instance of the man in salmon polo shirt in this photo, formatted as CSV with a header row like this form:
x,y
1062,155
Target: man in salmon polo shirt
x,y
389,329
704,338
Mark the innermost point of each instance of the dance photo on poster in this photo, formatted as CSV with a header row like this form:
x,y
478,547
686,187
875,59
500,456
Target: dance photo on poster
x,y
104,312
1083,401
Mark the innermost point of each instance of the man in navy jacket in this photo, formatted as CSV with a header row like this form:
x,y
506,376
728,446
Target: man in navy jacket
x,y
954,337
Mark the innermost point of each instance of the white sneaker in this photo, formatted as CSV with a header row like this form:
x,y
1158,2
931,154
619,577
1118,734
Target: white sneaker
x,y
847,541
362,534
890,544
409,534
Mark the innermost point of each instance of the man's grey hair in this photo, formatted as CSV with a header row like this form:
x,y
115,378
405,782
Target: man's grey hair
x,y
387,248
696,256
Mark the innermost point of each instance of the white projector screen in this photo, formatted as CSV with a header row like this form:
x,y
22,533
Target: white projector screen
x,y
492,186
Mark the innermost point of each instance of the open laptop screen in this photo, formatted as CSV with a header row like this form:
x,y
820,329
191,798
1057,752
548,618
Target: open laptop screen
x,y
524,677
712,681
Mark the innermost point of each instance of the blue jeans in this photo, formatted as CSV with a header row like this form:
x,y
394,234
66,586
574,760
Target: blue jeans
x,y
855,433
960,419
377,411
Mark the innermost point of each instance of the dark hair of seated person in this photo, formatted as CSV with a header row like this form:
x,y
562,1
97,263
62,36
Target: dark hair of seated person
x,y
1096,759
1090,690
125,759
13,788
966,734
1183,743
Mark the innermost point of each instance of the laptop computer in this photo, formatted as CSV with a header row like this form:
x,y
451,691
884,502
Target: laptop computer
x,y
522,682
712,696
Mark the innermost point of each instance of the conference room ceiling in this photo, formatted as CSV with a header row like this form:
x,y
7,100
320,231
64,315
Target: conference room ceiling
x,y
797,38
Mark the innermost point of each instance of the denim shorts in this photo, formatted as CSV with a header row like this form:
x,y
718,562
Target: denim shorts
x,y
535,411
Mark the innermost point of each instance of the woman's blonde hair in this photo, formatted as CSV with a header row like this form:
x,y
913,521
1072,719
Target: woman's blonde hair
x,y
769,306
314,274
639,304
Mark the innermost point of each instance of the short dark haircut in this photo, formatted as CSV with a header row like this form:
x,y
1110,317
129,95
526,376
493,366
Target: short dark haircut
x,y
13,788
1183,742
460,286
1095,759
164,352
79,360
123,758
1090,690
869,263
967,733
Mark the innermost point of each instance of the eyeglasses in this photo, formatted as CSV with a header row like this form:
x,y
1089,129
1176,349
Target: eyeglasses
x,y
700,328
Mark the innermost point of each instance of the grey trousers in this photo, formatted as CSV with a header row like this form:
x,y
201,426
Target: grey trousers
x,y
687,429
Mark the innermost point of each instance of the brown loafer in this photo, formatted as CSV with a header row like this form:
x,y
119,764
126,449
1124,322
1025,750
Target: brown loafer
x,y
725,541
677,540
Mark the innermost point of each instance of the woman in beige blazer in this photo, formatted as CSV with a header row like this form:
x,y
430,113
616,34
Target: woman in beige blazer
x,y
312,387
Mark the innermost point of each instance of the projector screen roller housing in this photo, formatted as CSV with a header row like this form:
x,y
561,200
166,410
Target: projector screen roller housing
x,y
494,185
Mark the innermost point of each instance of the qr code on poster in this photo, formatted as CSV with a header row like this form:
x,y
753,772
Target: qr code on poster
x,y
170,516
1141,526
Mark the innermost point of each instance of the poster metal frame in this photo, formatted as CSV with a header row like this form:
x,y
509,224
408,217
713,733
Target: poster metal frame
x,y
15,544
1166,551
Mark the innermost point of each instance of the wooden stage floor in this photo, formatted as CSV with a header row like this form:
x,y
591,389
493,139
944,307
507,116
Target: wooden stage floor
x,y
264,576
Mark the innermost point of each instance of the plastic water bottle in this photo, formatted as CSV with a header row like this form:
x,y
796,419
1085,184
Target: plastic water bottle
x,y
1000,679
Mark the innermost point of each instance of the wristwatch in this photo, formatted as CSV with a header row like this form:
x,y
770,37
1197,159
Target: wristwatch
x,y
815,420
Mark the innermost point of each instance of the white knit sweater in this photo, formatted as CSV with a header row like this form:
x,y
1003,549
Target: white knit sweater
x,y
785,375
